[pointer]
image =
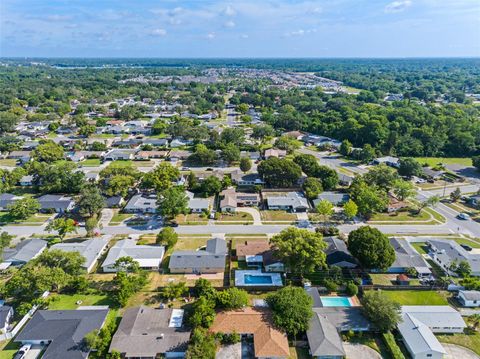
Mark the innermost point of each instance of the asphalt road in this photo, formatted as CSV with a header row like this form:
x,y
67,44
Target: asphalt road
x,y
334,161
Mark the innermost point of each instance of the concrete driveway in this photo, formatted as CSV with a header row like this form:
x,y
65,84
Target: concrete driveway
x,y
233,351
34,352
257,220
107,215
360,351
456,351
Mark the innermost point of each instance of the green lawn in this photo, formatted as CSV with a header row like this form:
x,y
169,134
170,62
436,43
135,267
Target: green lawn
x,y
277,216
299,353
10,162
470,340
36,219
190,243
433,161
237,216
64,301
9,350
407,216
91,162
417,297
420,247
119,217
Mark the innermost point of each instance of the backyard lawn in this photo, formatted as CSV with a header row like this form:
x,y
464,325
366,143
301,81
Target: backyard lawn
x,y
9,162
191,243
470,340
91,162
299,353
433,161
417,297
64,301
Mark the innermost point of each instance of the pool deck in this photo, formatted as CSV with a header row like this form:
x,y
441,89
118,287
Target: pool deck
x,y
240,278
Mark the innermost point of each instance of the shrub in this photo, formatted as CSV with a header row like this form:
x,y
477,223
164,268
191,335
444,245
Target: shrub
x,y
351,289
327,231
392,346
330,285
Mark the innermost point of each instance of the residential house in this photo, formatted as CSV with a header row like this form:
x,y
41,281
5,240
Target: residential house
x,y
388,160
26,181
291,201
474,200
147,155
345,180
56,203
252,155
22,156
76,156
274,152
336,198
6,318
246,179
156,142
407,257
141,203
432,174
232,199
447,252
90,249
23,252
419,323
148,257
209,260
268,341
6,199
119,155
178,155
62,331
146,332
395,205
469,298
257,254
294,134
114,202
338,253
197,205
177,142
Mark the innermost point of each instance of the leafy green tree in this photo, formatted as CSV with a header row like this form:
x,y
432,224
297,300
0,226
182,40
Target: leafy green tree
x,y
429,202
203,313
456,195
381,310
8,120
230,153
233,135
232,298
203,288
403,189
328,176
5,240
242,108
202,345
23,208
245,164
371,247
312,187
462,269
159,126
262,131
409,167
161,177
278,172
346,148
172,202
91,201
63,226
69,262
174,290
119,185
288,144
300,250
476,162
369,199
382,176
367,154
211,185
167,237
98,146
325,209
59,177
292,309
350,209
203,156
87,130
128,280
308,163
48,152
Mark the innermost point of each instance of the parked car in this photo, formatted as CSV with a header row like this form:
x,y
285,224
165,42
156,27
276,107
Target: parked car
x,y
466,247
22,353
463,216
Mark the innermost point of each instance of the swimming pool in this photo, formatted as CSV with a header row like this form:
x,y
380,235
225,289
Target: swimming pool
x,y
335,301
257,279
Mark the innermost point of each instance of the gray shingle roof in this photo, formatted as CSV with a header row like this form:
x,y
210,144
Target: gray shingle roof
x,y
333,197
54,201
406,256
470,294
440,316
323,337
145,332
24,251
65,329
212,257
448,251
418,336
291,199
146,256
89,249
140,202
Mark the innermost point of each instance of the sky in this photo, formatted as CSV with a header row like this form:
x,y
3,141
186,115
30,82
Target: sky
x,y
239,28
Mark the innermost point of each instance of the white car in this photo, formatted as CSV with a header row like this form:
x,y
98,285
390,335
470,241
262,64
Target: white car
x,y
22,353
463,216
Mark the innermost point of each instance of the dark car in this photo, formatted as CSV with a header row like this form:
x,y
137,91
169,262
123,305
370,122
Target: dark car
x,y
466,247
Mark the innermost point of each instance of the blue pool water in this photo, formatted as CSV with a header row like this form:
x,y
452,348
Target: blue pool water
x,y
335,302
257,279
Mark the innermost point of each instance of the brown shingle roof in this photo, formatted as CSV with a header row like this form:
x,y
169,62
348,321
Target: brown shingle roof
x,y
268,341
252,248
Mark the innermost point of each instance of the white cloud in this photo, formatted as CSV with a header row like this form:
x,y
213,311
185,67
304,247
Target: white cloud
x,y
229,11
158,32
398,6
300,32
229,24
211,36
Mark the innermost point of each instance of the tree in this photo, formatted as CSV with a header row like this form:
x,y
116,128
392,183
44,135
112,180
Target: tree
x,y
278,172
69,262
5,240
287,143
211,185
381,310
328,176
203,313
203,288
233,135
242,108
167,237
345,148
325,209
23,208
350,209
119,185
48,152
367,154
174,290
203,155
312,187
371,247
245,164
172,202
90,225
429,202
292,309
403,189
8,120
230,153
382,176
369,199
232,298
462,268
308,163
87,130
63,226
456,195
161,177
300,250
60,177
409,167
202,345
90,202
476,162
128,280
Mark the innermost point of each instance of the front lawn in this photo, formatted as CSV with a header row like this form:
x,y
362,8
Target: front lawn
x,y
470,339
64,301
119,217
9,350
388,279
236,216
35,220
402,216
277,216
192,218
91,162
434,161
417,297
